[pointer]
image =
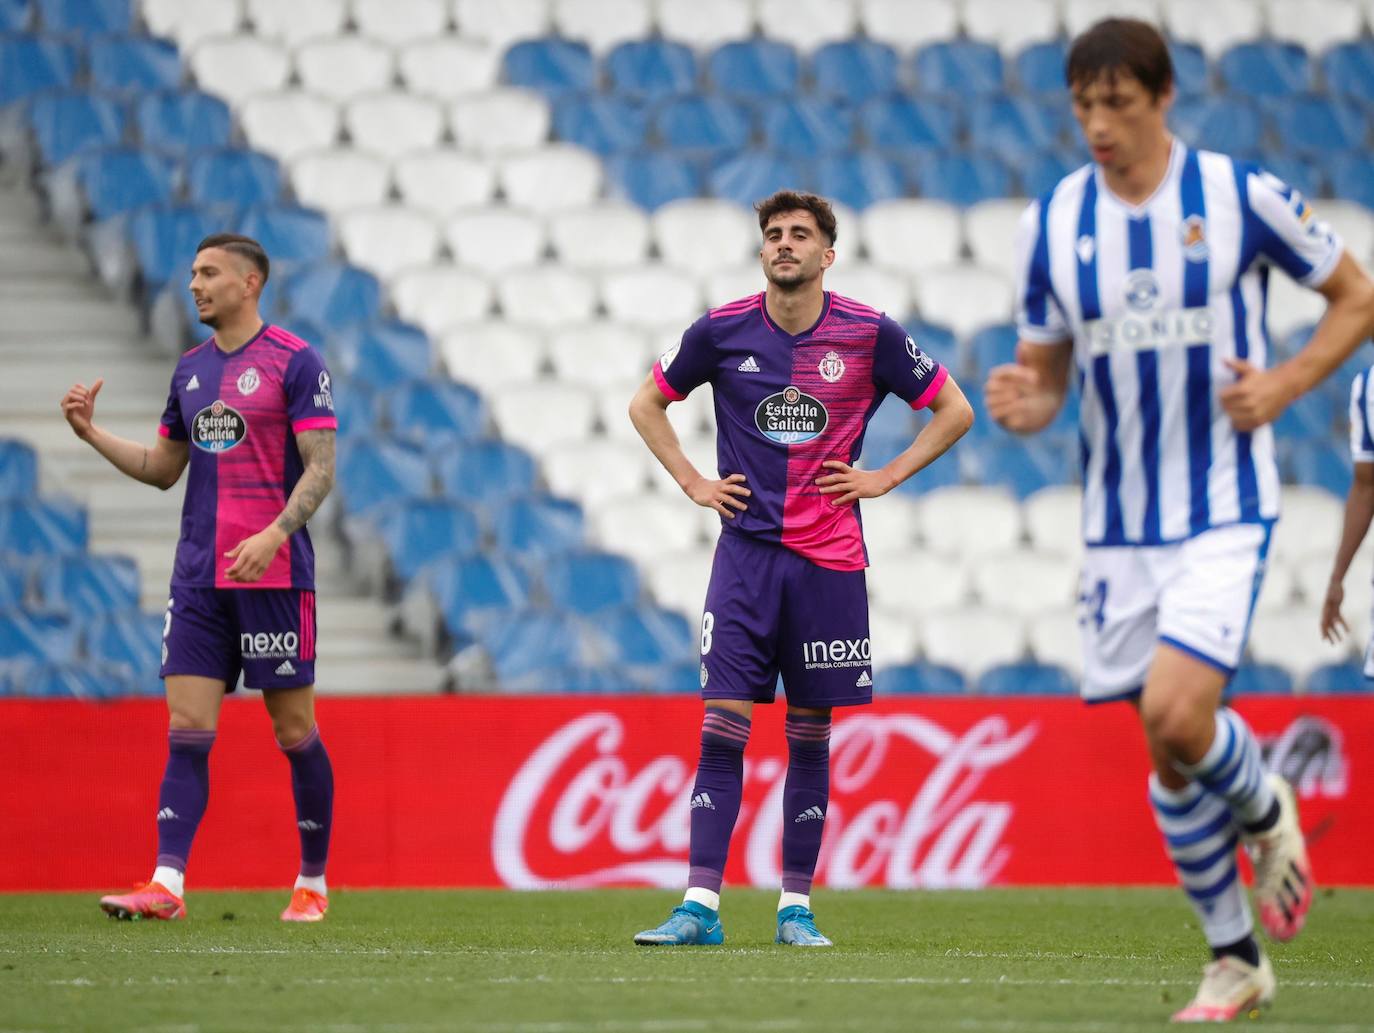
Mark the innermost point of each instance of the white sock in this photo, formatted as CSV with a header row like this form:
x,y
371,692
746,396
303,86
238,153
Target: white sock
x,y
174,880
705,898
794,900
312,882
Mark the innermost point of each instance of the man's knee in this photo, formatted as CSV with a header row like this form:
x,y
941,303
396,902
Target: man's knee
x,y
1178,724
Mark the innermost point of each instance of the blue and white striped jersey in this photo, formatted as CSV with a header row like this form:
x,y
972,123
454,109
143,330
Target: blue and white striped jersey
x,y
1361,422
1155,297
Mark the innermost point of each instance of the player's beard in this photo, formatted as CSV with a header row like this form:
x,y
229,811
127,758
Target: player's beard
x,y
795,277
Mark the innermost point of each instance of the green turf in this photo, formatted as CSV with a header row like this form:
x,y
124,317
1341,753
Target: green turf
x,y
1077,961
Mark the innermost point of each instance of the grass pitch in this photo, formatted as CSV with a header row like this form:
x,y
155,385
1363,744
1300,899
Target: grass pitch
x,y
1051,961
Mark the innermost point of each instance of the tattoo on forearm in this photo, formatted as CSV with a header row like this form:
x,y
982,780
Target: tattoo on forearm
x,y
317,452
144,467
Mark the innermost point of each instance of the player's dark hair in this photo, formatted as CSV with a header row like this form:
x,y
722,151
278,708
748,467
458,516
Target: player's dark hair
x,y
1120,45
793,201
245,247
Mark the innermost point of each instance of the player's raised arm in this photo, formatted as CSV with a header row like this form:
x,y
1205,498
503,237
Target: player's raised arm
x,y
160,465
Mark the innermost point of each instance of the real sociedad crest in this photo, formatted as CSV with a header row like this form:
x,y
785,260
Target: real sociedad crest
x,y
831,367
1194,236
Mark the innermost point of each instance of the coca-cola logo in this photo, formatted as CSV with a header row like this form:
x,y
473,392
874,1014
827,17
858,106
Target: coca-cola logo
x,y
576,802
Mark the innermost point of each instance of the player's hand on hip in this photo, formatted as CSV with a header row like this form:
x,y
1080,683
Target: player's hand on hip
x,y
1333,624
1012,394
1257,397
724,495
78,405
254,555
851,484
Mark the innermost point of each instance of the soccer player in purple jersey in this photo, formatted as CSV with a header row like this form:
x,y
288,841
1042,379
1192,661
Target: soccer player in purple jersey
x,y
797,373
252,413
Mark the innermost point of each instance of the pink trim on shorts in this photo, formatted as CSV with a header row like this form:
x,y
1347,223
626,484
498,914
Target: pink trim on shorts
x,y
669,392
315,423
928,395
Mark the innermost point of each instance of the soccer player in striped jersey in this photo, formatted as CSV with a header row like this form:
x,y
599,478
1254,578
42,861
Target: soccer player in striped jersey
x,y
251,412
1142,279
797,372
1359,510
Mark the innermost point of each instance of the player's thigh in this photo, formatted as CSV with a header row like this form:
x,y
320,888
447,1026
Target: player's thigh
x,y
292,712
193,702
276,630
739,623
199,638
1118,592
1178,706
826,651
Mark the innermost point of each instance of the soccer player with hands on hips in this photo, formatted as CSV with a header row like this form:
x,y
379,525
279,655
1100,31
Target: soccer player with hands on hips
x,y
1359,510
1144,273
251,411
797,373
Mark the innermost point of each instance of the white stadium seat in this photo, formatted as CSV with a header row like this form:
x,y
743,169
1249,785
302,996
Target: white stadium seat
x,y
894,638
237,67
990,228
705,24
399,21
344,67
394,123
807,24
596,353
700,450
337,179
1025,582
912,234
678,579
546,296
551,178
288,125
974,639
1309,525
1011,25
1278,590
491,355
1315,25
883,289
1292,305
1355,224
388,239
500,121
438,298
494,239
917,583
191,21
539,415
444,181
601,24
612,412
969,521
591,471
1291,639
448,68
727,285
651,296
645,526
1312,575
1216,26
891,526
606,235
297,21
702,234
503,23
1054,520
964,298
1055,638
907,24
1081,15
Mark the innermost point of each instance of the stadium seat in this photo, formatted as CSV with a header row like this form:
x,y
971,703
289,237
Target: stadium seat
x,y
1260,680
937,341
333,295
602,23
807,128
338,179
65,124
288,233
1216,26
87,586
1319,463
15,15
133,64
164,239
807,24
921,679
859,180
588,581
85,16
537,651
297,22
744,178
589,471
1316,126
700,126
492,355
1080,15
538,527
1027,678
36,637
1348,69
854,71
132,639
890,528
974,639
471,591
383,354
504,23
678,578
604,235
444,181
401,21
890,228
1039,68
755,69
652,179
733,282
394,123
15,575
237,67
914,581
1231,125
651,70
1053,517
992,346
433,409
500,121
546,296
449,67
541,414
182,122
1010,126
551,179
340,68
619,524
18,470
964,298
389,239
969,521
1265,69
1352,177
601,124
1292,306
493,239
485,473
1025,582
1288,639
651,638
884,289
1013,25
961,179
1308,415
1310,525
1355,224
1315,25
288,125
598,354
32,64
76,680
959,68
554,67
438,298
233,177
1041,172
1302,174
895,638
989,228
699,235
105,183
1335,678
906,24
191,21
376,472
421,532
1055,638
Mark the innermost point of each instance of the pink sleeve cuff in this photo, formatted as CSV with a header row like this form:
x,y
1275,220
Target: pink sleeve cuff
x,y
315,423
928,395
163,431
665,387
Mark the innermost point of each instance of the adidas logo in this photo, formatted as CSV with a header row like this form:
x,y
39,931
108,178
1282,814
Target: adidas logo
x,y
748,366
285,668
306,825
193,384
702,800
812,813
166,814
865,680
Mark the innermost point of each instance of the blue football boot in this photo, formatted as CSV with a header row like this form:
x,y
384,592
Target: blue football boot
x,y
690,924
797,926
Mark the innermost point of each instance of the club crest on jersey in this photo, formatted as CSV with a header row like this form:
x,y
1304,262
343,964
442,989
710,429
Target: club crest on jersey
x,y
1142,290
249,381
218,428
831,367
1193,233
791,417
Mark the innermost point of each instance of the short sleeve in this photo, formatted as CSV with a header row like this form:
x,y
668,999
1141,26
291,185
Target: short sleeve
x,y
1039,319
1288,231
1361,440
689,363
173,425
309,400
902,369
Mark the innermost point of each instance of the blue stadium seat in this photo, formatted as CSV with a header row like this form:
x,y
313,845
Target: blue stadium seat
x,y
649,636
164,239
1026,679
1265,69
15,573
485,473
583,680
131,639
1260,680
288,233
1040,68
962,179
43,527
15,15
134,63
901,124
1012,127
36,637
1022,465
31,64
233,176
938,342
532,651
921,679
552,66
755,69
1352,176
1298,173
589,581
1041,171
807,128
673,679
376,472
959,68
87,586
943,473
853,71
64,124
429,409
992,346
1192,75
651,70
382,355
417,532
652,179
744,178
882,446
335,295
1317,126
1309,416
77,680
86,16
18,469
122,179
1231,125
1338,678
1320,463
182,122
474,591
606,125
1349,69
858,180
538,526
702,126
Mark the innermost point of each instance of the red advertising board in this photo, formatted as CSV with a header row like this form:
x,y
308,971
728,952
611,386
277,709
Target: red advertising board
x,y
582,791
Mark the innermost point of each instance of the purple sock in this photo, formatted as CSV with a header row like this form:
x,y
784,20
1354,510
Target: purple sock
x,y
805,796
312,784
716,796
185,792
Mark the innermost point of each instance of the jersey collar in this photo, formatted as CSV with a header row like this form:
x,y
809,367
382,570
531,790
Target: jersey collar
x,y
1177,152
214,343
825,311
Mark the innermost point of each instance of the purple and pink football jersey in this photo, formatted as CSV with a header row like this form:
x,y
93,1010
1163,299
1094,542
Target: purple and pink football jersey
x,y
785,404
241,412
